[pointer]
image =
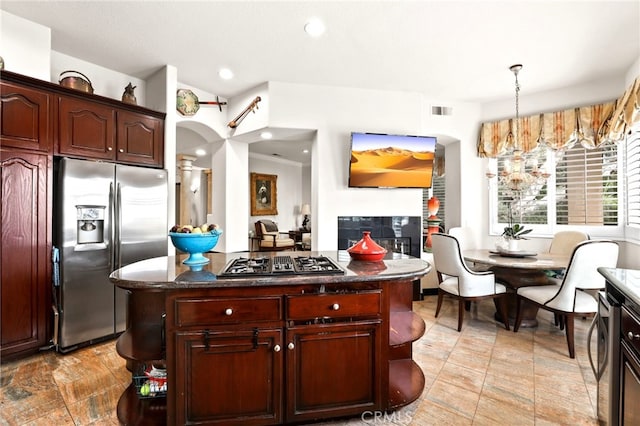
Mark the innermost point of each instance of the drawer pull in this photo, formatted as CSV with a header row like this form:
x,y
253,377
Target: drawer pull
x,y
335,307
291,346
109,149
276,348
121,150
632,336
228,311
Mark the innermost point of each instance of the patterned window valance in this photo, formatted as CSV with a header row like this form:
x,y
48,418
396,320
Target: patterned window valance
x,y
590,126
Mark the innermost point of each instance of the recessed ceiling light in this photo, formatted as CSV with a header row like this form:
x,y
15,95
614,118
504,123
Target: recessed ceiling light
x,y
314,27
305,151
266,135
225,73
200,152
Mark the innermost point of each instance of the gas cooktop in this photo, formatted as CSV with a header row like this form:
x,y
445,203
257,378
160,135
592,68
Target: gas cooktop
x,y
280,265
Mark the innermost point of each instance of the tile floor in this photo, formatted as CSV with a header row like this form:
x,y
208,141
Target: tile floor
x,y
483,375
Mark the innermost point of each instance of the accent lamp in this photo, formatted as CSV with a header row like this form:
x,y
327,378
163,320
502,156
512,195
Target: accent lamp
x,y
306,211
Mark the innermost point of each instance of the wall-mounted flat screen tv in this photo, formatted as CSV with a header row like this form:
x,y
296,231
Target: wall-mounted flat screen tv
x,y
391,161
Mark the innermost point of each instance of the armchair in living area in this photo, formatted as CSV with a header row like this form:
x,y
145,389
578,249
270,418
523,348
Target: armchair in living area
x,y
271,239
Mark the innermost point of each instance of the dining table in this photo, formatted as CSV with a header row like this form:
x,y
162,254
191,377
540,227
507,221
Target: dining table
x,y
515,270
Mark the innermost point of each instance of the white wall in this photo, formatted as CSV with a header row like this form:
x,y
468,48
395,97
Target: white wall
x,y
335,113
289,190
26,46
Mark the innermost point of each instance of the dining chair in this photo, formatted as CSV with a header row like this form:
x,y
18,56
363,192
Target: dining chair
x,y
570,298
563,242
455,279
465,236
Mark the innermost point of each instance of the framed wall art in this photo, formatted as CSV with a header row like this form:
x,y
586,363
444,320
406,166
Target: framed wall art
x,y
264,194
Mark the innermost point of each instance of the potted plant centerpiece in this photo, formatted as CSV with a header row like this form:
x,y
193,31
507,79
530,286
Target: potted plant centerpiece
x,y
514,232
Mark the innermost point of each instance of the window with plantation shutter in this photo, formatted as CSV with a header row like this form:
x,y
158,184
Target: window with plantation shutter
x,y
632,178
587,186
584,190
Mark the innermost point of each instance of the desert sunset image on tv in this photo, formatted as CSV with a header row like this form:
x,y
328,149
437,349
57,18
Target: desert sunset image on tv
x,y
394,161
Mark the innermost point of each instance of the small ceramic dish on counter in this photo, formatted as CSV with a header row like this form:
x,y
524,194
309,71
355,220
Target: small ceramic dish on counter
x,y
367,249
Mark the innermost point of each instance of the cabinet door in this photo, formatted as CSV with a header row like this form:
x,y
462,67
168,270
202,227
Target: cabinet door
x,y
140,139
228,377
24,118
87,129
629,386
333,370
25,248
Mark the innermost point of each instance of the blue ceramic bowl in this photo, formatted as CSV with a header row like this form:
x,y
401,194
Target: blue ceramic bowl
x,y
195,245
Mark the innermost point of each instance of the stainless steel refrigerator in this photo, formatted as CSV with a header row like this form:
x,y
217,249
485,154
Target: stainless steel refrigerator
x,y
106,216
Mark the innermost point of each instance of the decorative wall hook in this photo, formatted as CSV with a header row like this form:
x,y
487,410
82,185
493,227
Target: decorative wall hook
x,y
253,105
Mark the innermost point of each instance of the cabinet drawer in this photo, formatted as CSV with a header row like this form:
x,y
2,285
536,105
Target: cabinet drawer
x,y
630,329
333,305
209,311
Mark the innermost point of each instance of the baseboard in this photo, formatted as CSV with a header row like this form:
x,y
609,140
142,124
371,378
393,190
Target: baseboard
x,y
429,292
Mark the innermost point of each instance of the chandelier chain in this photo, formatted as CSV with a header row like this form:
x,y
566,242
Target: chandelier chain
x,y
516,136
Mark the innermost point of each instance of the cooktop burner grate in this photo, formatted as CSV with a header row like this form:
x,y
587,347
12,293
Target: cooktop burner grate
x,y
280,265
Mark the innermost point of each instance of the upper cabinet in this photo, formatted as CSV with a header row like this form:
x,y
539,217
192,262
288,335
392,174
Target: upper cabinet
x,y
25,117
48,117
86,129
140,138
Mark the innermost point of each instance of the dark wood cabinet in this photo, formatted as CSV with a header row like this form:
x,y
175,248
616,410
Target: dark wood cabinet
x,y
139,139
25,252
229,377
328,364
43,116
86,129
101,132
25,118
629,393
333,370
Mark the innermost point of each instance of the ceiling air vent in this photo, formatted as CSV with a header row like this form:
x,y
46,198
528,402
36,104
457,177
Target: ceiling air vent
x,y
441,110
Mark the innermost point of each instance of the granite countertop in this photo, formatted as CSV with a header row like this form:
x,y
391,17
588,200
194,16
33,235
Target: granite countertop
x,y
168,272
625,282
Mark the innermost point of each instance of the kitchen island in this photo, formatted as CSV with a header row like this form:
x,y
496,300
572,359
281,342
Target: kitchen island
x,y
272,348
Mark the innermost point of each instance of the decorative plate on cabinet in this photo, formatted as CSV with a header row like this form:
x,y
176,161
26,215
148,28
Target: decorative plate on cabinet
x,y
187,102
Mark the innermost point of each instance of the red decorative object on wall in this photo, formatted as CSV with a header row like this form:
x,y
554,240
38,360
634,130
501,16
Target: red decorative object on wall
x,y
433,222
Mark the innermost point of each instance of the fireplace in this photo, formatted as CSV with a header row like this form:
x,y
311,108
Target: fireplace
x,y
401,234
396,233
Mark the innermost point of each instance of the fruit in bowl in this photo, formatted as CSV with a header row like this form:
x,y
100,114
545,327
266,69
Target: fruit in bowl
x,y
195,241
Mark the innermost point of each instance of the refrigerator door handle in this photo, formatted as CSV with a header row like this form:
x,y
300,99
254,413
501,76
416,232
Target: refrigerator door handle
x,y
117,225
112,227
594,326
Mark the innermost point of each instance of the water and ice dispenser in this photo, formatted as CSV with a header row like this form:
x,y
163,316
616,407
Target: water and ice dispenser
x,y
90,223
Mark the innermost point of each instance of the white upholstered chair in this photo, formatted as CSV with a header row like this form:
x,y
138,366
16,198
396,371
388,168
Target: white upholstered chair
x,y
271,239
569,298
458,281
465,236
564,242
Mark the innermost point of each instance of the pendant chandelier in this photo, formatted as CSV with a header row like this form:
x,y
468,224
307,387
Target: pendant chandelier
x,y
519,173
